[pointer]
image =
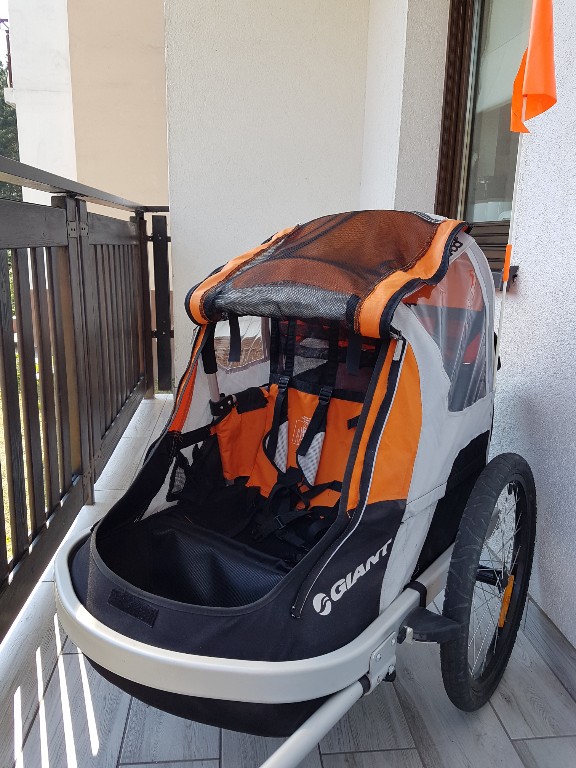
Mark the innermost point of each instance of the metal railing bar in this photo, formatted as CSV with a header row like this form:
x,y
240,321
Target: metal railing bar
x,y
134,293
29,390
104,332
144,309
59,304
14,172
11,417
162,296
107,308
122,322
116,326
45,371
4,570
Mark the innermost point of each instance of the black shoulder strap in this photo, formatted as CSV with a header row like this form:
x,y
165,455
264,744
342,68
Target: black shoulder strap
x,y
318,420
235,352
208,353
271,441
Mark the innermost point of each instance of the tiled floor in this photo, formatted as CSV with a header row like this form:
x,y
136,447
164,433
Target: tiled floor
x,y
56,712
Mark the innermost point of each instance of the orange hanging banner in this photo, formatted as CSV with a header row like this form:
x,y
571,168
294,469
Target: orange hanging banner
x,y
507,259
535,84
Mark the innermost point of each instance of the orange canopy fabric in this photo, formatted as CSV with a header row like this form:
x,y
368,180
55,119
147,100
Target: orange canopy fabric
x,y
535,84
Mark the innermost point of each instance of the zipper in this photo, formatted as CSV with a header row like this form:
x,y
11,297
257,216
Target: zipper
x,y
382,418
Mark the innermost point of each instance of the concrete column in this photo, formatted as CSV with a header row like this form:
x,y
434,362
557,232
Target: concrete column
x,y
404,93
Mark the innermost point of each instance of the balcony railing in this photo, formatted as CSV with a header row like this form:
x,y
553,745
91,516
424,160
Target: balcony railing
x,y
76,358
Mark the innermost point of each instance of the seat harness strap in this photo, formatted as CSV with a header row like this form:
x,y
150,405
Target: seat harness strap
x,y
288,501
270,444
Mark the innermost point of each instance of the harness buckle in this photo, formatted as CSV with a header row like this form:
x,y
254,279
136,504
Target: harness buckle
x,y
325,395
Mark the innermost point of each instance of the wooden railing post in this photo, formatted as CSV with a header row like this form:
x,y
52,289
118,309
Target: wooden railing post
x,y
146,323
80,422
162,301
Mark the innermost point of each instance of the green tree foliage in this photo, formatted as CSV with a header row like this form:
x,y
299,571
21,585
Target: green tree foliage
x,y
8,137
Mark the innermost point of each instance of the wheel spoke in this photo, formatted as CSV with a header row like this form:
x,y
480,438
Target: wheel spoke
x,y
498,559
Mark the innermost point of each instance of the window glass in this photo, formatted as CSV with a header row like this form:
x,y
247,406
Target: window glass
x,y
453,313
502,38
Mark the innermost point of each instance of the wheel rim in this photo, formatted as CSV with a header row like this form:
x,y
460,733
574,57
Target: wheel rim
x,y
498,581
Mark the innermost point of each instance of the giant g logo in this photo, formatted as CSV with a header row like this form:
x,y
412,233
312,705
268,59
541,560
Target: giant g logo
x,y
322,604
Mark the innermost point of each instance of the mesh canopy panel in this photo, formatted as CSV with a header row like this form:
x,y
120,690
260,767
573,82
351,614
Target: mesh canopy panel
x,y
322,270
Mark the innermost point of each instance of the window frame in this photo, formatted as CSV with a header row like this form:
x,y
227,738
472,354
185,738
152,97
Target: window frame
x,y
464,23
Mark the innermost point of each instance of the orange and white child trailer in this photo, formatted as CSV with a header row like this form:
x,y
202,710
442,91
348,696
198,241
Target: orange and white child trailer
x,y
298,512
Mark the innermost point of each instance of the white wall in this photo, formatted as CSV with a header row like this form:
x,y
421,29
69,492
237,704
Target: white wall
x,y
383,108
265,116
423,93
404,92
536,396
42,94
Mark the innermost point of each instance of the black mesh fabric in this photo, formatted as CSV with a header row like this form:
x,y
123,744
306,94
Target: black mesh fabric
x,y
321,267
169,556
311,358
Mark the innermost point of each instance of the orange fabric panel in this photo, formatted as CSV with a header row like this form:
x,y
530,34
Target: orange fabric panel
x,y
240,438
197,298
369,311
186,389
335,450
400,439
379,394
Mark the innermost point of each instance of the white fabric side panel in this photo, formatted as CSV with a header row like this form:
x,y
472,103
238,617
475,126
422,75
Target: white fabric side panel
x,y
405,553
443,435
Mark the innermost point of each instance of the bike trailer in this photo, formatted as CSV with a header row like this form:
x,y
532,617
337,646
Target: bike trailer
x,y
307,489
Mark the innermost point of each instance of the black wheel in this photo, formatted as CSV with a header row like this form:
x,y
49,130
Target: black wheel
x,y
488,580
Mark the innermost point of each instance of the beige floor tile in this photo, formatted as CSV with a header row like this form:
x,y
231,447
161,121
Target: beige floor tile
x,y
376,722
444,736
552,646
81,720
548,753
123,465
145,418
396,758
179,764
153,736
240,750
530,700
27,659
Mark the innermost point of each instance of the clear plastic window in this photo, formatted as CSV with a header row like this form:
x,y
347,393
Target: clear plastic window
x,y
254,338
454,315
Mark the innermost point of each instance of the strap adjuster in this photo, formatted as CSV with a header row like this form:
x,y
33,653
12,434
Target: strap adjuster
x,y
283,382
325,395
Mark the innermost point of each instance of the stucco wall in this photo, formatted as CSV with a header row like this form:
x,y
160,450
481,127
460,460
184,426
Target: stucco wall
x,y
383,108
42,90
535,400
423,91
119,97
265,115
404,92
